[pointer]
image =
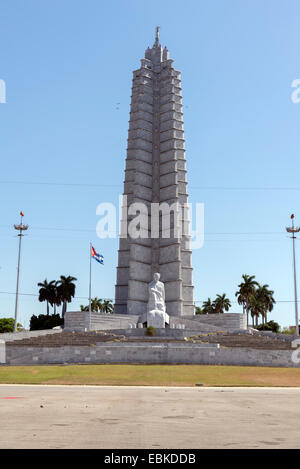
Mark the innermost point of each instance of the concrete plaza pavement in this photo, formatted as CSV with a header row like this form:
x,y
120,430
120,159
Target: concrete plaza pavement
x,y
38,416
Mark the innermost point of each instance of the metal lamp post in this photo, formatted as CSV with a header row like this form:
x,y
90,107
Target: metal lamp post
x,y
21,227
294,229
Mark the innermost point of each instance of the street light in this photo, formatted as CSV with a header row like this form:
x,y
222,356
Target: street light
x,y
294,229
19,228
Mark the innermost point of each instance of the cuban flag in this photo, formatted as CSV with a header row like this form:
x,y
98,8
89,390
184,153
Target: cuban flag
x,y
98,257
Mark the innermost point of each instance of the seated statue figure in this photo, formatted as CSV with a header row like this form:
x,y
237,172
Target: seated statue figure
x,y
156,307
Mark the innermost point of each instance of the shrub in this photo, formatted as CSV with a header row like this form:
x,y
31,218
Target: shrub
x,y
150,331
44,321
269,326
8,324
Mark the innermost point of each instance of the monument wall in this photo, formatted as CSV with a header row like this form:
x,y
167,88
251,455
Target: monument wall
x,y
205,354
79,321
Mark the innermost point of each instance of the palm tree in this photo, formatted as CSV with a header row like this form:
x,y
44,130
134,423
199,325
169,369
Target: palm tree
x,y
246,289
221,303
256,307
57,299
108,306
266,297
66,291
96,304
198,310
208,307
46,292
241,300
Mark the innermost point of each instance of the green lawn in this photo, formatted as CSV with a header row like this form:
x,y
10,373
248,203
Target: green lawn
x,y
151,375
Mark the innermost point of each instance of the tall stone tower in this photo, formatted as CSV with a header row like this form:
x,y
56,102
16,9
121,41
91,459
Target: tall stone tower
x,y
155,173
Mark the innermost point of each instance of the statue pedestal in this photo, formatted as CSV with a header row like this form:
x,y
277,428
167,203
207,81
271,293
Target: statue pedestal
x,y
157,319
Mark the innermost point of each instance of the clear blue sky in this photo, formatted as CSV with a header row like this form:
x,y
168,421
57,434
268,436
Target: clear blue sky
x,y
68,63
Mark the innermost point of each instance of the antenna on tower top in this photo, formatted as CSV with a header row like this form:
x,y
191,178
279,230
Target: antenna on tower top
x,y
157,35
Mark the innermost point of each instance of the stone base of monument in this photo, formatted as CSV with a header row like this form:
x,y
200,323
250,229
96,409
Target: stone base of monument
x,y
79,321
154,318
157,319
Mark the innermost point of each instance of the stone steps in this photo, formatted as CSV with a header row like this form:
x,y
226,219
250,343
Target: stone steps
x,y
168,335
8,336
66,338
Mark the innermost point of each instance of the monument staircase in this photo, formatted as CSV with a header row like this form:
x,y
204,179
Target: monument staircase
x,y
224,339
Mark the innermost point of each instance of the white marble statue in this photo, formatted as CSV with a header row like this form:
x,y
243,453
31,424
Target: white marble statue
x,y
156,307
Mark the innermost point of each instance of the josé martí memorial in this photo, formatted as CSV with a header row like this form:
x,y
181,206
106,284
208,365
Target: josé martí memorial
x,y
154,285
155,173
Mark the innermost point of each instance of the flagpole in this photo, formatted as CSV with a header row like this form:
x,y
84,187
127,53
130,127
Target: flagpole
x,y
90,288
